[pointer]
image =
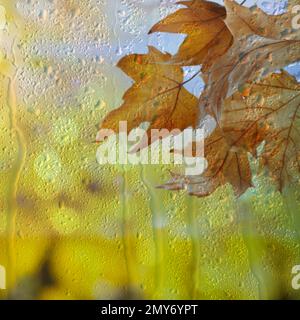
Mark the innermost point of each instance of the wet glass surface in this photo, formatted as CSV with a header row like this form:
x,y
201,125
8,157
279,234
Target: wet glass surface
x,y
72,229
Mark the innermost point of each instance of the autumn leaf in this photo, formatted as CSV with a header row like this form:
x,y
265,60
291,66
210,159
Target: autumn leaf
x,y
258,49
158,95
250,104
270,113
273,107
243,21
207,35
292,3
226,164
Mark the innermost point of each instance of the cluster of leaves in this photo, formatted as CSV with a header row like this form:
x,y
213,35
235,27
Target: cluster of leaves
x,y
240,51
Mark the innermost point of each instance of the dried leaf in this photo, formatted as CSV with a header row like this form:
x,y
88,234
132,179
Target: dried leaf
x,y
207,35
249,103
251,56
158,95
273,109
226,164
270,113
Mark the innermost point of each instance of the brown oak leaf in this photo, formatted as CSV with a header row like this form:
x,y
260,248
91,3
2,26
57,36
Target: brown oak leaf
x,y
207,35
158,95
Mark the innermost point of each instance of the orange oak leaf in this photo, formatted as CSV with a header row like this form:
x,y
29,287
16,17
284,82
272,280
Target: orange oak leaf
x,y
157,96
258,50
207,35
